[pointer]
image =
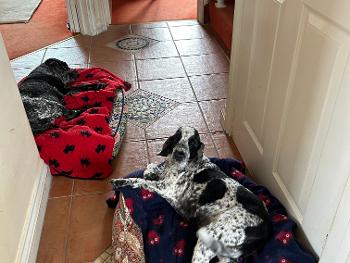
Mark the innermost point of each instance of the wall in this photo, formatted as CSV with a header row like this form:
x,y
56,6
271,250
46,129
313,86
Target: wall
x,y
20,166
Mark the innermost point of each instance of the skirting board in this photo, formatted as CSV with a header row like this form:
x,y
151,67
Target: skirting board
x,y
35,219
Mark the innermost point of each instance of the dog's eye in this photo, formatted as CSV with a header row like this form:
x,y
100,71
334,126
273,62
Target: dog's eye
x,y
193,143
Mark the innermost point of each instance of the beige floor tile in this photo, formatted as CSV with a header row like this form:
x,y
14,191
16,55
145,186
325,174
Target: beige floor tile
x,y
161,68
176,89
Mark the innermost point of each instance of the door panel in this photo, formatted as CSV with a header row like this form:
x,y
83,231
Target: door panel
x,y
308,96
267,17
287,74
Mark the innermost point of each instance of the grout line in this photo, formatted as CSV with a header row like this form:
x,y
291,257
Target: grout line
x,y
147,149
184,77
66,239
214,143
181,25
44,55
102,192
191,86
194,93
190,55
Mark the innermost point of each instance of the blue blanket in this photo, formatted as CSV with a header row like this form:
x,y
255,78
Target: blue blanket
x,y
169,238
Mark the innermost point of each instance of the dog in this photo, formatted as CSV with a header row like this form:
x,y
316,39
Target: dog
x,y
232,221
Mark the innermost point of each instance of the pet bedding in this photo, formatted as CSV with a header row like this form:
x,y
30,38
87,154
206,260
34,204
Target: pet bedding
x,y
78,117
147,229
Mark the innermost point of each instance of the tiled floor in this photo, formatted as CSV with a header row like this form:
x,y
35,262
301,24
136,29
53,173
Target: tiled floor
x,y
187,66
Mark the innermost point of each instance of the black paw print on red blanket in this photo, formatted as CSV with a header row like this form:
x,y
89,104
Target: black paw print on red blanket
x,y
69,148
85,162
100,148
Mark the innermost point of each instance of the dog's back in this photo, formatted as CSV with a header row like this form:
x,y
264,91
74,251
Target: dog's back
x,y
237,223
256,236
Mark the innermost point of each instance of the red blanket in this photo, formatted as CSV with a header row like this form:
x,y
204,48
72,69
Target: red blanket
x,y
82,147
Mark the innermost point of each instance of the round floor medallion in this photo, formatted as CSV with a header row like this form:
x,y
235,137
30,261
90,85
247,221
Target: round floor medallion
x,y
132,43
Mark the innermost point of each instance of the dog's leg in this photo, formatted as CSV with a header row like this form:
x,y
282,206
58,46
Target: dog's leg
x,y
227,260
134,182
154,171
157,187
201,253
153,186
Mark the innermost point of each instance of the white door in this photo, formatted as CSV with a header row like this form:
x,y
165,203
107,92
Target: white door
x,y
289,104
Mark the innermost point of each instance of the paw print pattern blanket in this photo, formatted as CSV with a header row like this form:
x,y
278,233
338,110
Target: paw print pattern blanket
x,y
79,124
169,238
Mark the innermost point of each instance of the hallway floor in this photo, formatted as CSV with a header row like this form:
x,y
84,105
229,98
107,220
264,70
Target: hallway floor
x,y
187,66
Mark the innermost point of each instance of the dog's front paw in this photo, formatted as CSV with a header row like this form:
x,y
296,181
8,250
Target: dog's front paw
x,y
151,176
151,173
118,183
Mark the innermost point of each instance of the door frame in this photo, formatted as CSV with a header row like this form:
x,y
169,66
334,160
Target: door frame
x,y
200,10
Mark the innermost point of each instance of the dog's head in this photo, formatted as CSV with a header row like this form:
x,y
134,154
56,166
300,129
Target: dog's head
x,y
184,146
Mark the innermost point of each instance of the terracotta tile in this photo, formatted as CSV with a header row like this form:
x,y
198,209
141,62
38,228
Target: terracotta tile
x,y
208,87
90,231
107,54
211,110
124,69
149,25
61,186
158,50
183,22
184,114
54,233
114,32
176,89
161,68
91,186
76,41
209,149
206,64
188,32
134,86
155,146
200,46
160,33
132,156
70,55
134,133
225,146
28,61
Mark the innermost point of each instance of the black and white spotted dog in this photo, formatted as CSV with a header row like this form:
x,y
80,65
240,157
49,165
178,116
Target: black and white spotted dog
x,y
232,220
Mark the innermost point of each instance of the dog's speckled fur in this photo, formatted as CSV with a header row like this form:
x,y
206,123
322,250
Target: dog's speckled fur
x,y
232,221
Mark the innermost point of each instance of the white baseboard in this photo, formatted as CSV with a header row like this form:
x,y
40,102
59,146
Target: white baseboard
x,y
35,218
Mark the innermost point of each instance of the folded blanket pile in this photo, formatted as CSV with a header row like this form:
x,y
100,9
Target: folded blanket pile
x,y
78,117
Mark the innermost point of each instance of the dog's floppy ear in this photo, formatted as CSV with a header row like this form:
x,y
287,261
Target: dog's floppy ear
x,y
196,146
170,143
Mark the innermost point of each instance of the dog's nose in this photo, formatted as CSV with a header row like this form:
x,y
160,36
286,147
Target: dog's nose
x,y
179,155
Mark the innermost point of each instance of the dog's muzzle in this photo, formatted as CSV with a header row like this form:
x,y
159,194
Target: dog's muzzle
x,y
179,156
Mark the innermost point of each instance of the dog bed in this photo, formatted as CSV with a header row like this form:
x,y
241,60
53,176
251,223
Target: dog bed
x,y
78,117
147,229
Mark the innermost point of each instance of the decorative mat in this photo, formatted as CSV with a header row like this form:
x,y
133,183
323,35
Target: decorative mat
x,y
146,107
17,11
132,43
